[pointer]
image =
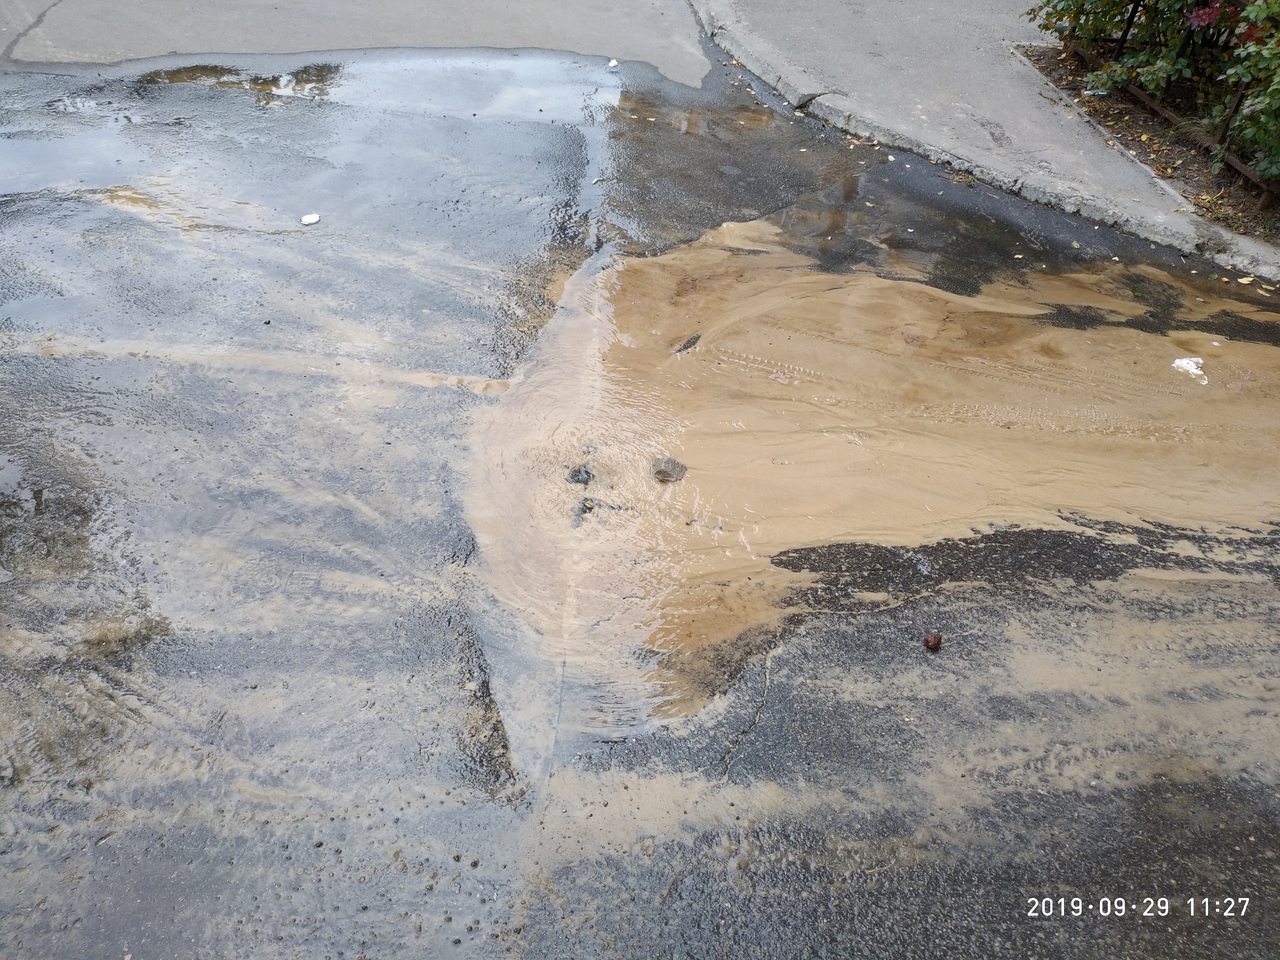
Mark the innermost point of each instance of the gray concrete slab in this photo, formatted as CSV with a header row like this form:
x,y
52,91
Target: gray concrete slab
x,y
660,32
946,80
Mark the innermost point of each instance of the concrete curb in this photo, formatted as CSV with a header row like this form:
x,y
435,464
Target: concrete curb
x,y
1186,232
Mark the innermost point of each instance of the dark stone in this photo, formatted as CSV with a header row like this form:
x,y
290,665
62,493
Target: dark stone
x,y
689,344
668,470
582,474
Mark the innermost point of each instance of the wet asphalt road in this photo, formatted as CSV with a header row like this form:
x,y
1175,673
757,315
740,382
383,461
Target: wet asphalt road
x,y
258,701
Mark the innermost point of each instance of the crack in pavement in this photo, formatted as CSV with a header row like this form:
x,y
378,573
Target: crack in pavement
x,y
35,24
755,719
808,98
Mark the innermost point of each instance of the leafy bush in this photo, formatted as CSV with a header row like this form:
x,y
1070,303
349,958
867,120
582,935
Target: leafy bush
x,y
1218,48
1257,65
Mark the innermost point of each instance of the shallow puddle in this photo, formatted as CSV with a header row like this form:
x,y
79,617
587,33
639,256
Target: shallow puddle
x,y
533,555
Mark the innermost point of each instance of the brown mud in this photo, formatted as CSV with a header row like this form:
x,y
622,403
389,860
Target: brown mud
x,y
313,80
815,407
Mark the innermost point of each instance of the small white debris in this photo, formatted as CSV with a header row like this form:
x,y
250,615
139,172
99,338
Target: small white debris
x,y
311,218
613,63
1191,365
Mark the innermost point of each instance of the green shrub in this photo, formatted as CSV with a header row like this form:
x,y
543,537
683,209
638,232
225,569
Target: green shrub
x,y
1216,46
1257,64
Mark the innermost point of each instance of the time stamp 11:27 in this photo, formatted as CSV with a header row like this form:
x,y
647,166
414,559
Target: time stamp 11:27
x,y
1053,907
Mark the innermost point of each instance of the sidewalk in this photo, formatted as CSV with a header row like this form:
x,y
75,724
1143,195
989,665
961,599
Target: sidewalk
x,y
943,78
661,32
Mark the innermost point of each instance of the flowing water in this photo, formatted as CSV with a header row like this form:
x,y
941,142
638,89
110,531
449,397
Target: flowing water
x,y
815,407
352,605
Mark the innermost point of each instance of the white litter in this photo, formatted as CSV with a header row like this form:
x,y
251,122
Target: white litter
x,y
613,63
1191,365
311,218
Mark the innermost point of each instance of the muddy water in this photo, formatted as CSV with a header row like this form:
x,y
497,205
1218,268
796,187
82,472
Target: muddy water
x,y
815,407
980,431
342,613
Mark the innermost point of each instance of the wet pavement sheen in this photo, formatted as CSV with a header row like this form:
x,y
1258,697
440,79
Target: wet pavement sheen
x,y
534,555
